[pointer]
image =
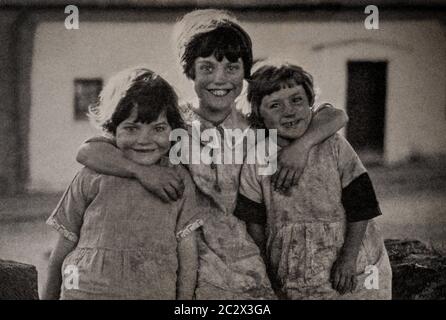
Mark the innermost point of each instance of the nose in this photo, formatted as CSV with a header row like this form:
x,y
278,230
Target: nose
x,y
220,75
290,110
145,137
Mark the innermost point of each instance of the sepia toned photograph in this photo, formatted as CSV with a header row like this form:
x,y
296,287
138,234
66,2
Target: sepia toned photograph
x,y
223,150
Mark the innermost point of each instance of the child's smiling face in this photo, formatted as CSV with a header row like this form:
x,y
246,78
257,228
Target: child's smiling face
x,y
287,110
143,143
218,83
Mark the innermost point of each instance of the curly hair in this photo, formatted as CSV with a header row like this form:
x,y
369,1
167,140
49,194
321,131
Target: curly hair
x,y
140,88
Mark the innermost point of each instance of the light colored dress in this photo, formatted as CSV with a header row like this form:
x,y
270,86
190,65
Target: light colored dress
x,y
306,227
127,245
230,263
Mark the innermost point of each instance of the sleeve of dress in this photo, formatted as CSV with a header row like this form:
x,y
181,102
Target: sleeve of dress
x,y
358,195
250,183
68,216
193,207
250,207
359,200
250,211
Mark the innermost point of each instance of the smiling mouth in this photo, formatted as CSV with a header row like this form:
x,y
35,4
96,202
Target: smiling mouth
x,y
219,92
291,124
143,150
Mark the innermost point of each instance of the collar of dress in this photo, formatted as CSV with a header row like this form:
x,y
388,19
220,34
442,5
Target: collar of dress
x,y
234,120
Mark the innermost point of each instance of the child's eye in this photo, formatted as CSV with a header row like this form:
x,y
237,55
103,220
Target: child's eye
x,y
160,129
274,105
206,68
130,129
296,100
233,67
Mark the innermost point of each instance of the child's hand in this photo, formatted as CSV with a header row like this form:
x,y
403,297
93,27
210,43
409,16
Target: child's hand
x,y
343,275
290,165
164,182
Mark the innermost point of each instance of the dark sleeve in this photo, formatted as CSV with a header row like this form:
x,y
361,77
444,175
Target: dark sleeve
x,y
250,211
359,200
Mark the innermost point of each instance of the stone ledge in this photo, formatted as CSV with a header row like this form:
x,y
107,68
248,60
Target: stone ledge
x,y
419,272
18,281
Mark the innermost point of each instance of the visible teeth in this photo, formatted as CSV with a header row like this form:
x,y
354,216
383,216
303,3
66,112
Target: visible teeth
x,y
290,124
219,93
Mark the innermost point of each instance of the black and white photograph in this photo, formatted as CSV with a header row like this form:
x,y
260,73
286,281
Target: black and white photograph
x,y
250,151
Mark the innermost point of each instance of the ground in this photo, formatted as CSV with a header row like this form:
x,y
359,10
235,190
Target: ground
x,y
412,198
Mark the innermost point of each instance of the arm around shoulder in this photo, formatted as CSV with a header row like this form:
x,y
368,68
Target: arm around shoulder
x,y
326,121
104,157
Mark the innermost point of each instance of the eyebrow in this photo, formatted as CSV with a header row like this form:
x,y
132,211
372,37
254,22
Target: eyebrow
x,y
133,123
205,61
161,122
299,93
127,122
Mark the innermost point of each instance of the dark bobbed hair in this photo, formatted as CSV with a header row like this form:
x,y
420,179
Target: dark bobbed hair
x,y
270,78
228,40
138,88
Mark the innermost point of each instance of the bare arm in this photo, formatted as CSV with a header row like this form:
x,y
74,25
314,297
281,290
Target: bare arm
x,y
51,290
187,267
326,122
105,158
293,158
353,239
343,275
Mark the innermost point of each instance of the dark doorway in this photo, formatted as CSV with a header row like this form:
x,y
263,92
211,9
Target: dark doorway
x,y
366,100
